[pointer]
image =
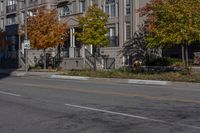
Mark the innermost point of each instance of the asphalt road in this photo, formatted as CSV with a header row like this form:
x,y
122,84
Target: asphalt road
x,y
42,105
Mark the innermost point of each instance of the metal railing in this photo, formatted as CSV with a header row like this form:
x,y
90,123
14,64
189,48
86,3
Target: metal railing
x,y
77,52
109,63
104,61
89,57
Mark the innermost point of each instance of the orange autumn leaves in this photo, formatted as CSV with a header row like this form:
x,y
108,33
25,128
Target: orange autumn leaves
x,y
45,30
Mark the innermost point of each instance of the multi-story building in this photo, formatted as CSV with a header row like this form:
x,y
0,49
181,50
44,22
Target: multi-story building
x,y
122,24
12,16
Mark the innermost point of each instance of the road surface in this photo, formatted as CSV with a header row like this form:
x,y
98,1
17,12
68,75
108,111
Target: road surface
x,y
34,104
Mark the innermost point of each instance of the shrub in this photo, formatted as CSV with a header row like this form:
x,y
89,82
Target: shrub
x,y
163,61
126,69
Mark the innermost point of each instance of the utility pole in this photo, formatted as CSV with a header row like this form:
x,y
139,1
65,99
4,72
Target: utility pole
x,y
19,37
26,37
26,32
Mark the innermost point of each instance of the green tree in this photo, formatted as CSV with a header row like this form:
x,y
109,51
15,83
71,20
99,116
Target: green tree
x,y
45,31
93,26
172,22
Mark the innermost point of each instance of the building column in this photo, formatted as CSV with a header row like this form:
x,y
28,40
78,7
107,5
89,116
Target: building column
x,y
77,6
72,43
121,23
135,4
137,17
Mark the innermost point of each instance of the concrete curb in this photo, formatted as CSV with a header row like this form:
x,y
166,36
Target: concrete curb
x,y
129,81
57,75
148,82
69,77
22,73
18,74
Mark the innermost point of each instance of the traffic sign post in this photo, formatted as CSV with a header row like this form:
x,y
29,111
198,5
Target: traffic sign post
x,y
27,44
26,48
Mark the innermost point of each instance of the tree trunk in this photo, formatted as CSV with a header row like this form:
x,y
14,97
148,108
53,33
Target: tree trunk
x,y
58,51
44,60
186,56
183,54
94,54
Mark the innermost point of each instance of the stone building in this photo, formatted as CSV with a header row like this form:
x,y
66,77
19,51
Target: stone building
x,y
12,16
122,24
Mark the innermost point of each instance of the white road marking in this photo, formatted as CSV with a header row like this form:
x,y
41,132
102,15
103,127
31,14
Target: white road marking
x,y
111,112
132,116
11,94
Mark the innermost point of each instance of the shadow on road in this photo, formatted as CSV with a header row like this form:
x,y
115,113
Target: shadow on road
x,y
8,66
6,73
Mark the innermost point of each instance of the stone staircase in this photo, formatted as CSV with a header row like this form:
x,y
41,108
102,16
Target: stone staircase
x,y
92,61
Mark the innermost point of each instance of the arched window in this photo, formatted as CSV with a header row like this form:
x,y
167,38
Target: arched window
x,y
65,10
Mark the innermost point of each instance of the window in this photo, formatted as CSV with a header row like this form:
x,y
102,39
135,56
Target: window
x,y
83,5
112,36
11,20
110,8
128,7
94,2
11,6
33,1
2,23
65,10
127,60
1,7
127,31
11,2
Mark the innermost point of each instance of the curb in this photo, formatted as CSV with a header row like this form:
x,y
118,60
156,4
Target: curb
x,y
129,81
148,82
22,73
110,80
18,74
69,77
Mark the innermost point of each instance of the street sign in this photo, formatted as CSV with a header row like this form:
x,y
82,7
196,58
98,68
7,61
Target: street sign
x,y
27,44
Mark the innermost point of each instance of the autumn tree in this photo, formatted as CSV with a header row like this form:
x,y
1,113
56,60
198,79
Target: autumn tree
x,y
172,22
3,41
45,30
94,30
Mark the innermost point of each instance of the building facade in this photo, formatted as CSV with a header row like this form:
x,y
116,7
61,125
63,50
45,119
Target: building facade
x,y
122,24
12,16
